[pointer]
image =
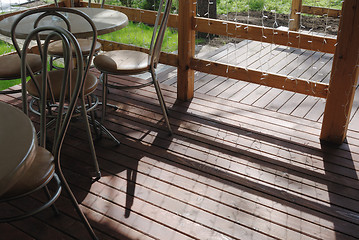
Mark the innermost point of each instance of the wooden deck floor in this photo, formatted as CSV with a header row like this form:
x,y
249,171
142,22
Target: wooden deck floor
x,y
231,170
291,62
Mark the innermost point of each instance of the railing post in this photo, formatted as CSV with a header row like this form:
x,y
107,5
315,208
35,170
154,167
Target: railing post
x,y
295,13
344,76
186,47
67,3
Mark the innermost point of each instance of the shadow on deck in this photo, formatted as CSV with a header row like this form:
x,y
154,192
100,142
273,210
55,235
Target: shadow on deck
x,y
229,171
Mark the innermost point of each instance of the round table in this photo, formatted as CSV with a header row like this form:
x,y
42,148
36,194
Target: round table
x,y
18,145
105,20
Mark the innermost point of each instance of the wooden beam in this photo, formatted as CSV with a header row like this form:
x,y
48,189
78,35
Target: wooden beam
x,y
311,88
265,34
236,30
344,76
295,13
321,11
186,47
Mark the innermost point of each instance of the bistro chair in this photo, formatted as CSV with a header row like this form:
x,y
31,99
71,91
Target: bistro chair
x,y
11,65
55,48
131,62
55,77
46,167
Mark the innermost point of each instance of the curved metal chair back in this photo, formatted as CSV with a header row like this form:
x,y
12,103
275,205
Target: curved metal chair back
x,y
59,13
89,80
64,115
66,108
158,36
132,62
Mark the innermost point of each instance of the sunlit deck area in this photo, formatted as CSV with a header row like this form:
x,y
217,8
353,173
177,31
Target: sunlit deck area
x,y
245,160
231,170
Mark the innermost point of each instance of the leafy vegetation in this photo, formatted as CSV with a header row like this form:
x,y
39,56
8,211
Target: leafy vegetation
x,y
5,47
280,6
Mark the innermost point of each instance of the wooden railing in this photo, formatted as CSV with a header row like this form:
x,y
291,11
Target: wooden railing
x,y
339,98
298,9
344,74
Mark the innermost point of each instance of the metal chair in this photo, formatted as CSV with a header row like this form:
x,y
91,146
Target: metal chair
x,y
11,65
90,80
47,163
129,62
55,48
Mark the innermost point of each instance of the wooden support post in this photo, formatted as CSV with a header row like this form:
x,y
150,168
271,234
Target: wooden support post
x,y
71,3
344,76
186,47
294,22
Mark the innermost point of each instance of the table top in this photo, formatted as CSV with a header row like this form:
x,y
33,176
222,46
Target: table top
x,y
18,145
105,20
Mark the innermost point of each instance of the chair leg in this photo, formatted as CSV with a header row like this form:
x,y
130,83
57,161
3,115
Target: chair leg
x,y
47,192
89,136
161,100
92,117
104,105
51,63
75,203
104,96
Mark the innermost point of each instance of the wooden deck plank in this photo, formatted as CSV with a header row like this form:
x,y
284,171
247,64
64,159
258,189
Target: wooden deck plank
x,y
222,109
244,163
181,182
11,233
272,58
230,172
317,111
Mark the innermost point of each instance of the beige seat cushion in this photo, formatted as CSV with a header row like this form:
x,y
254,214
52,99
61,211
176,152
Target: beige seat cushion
x,y
55,48
56,77
122,62
40,171
10,67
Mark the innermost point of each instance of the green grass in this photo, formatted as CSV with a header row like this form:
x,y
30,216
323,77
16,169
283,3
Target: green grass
x,y
5,47
280,6
140,34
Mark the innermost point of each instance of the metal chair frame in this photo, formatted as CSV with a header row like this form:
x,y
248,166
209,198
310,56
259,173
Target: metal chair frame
x,y
72,4
154,55
68,99
83,108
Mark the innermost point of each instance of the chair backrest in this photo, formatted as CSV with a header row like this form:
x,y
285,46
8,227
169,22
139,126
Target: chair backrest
x,y
66,105
159,30
42,16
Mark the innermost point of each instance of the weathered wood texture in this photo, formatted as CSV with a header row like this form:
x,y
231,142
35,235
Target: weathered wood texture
x,y
230,170
267,58
344,76
295,14
186,49
321,11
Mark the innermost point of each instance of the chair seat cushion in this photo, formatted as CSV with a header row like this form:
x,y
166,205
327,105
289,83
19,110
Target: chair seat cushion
x,y
39,173
56,78
122,62
55,48
10,67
